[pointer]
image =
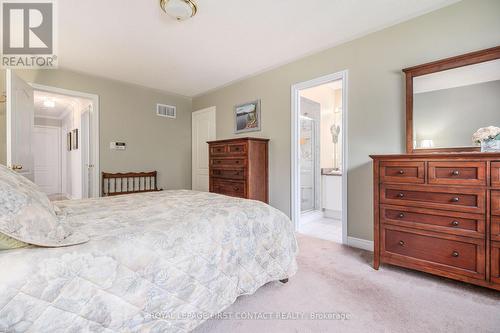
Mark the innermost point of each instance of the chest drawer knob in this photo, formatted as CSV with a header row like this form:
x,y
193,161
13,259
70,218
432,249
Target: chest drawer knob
x,y
455,199
455,223
401,215
402,243
401,195
455,254
401,172
455,173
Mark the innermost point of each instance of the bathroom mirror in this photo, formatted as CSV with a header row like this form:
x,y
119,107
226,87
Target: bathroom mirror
x,y
448,100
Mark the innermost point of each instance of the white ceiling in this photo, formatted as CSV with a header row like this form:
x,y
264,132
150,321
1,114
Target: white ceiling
x,y
63,104
227,40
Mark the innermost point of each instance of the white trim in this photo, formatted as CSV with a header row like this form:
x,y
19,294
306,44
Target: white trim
x,y
332,214
8,116
94,136
295,132
48,117
360,243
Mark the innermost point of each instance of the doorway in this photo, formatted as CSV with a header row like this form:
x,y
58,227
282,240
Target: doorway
x,y
319,163
53,138
61,144
203,130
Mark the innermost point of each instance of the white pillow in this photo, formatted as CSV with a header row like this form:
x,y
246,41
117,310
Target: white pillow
x,y
27,215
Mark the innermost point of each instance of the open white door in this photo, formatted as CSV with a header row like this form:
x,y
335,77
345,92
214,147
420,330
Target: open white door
x,y
203,127
20,119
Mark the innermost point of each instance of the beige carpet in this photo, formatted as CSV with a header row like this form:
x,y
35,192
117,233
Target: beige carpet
x,y
337,279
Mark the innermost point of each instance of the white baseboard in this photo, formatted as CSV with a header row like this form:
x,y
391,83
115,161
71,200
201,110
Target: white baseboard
x,y
360,243
332,214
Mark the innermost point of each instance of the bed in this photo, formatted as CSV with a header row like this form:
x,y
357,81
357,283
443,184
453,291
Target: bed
x,y
155,262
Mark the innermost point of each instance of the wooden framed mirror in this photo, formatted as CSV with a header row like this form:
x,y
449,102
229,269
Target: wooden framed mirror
x,y
449,99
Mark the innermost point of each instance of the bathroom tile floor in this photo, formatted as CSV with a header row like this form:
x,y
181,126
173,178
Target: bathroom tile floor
x,y
315,225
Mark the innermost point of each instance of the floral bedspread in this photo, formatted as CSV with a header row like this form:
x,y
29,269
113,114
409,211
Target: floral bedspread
x,y
155,262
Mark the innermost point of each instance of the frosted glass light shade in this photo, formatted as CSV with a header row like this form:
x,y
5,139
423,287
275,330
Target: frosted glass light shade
x,y
179,9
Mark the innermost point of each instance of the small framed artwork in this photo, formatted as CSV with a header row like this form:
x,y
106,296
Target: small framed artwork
x,y
74,139
247,117
68,141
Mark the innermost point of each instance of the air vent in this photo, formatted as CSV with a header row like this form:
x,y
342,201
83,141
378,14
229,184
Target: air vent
x,y
168,111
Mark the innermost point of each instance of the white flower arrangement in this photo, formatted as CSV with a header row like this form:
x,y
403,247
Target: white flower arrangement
x,y
486,133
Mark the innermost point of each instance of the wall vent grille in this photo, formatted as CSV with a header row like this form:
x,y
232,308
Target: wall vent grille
x,y
167,111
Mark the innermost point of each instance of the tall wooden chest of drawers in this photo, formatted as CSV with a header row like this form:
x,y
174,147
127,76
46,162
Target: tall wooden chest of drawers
x,y
239,168
439,213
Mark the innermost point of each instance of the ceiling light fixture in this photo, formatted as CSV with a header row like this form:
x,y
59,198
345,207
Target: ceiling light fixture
x,y
179,9
49,103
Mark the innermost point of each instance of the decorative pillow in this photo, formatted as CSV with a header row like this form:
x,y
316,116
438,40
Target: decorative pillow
x,y
8,243
27,215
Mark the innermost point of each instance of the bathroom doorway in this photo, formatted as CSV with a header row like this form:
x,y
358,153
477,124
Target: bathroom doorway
x,y
319,180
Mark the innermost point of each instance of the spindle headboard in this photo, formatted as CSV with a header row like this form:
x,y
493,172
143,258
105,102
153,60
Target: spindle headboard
x,y
127,183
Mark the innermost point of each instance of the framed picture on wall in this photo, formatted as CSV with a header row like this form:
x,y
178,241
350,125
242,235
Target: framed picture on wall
x,y
74,139
68,141
247,117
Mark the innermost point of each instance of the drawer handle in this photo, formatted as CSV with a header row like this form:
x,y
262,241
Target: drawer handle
x,y
455,173
455,254
401,195
455,223
236,188
401,215
237,162
455,199
402,243
401,172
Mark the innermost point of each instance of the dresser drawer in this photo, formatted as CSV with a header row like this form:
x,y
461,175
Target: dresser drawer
x,y
464,224
495,203
439,197
402,172
495,174
228,173
237,148
231,188
216,150
228,162
453,254
495,262
457,173
495,228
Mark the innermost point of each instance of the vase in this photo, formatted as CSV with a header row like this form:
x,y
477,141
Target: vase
x,y
490,145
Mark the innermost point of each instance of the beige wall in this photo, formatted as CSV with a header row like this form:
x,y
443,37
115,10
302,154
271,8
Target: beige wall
x,y
376,94
127,113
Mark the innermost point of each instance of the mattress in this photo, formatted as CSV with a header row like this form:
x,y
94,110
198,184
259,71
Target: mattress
x,y
156,262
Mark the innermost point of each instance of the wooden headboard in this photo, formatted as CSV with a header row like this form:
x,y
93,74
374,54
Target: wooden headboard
x,y
130,182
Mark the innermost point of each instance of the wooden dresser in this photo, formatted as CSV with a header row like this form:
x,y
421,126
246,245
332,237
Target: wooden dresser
x,y
239,168
439,213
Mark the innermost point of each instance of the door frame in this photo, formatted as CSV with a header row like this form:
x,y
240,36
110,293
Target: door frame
x,y
193,150
93,136
60,150
295,145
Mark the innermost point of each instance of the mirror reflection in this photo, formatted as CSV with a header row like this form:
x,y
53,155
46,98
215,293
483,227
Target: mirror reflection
x,y
449,106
